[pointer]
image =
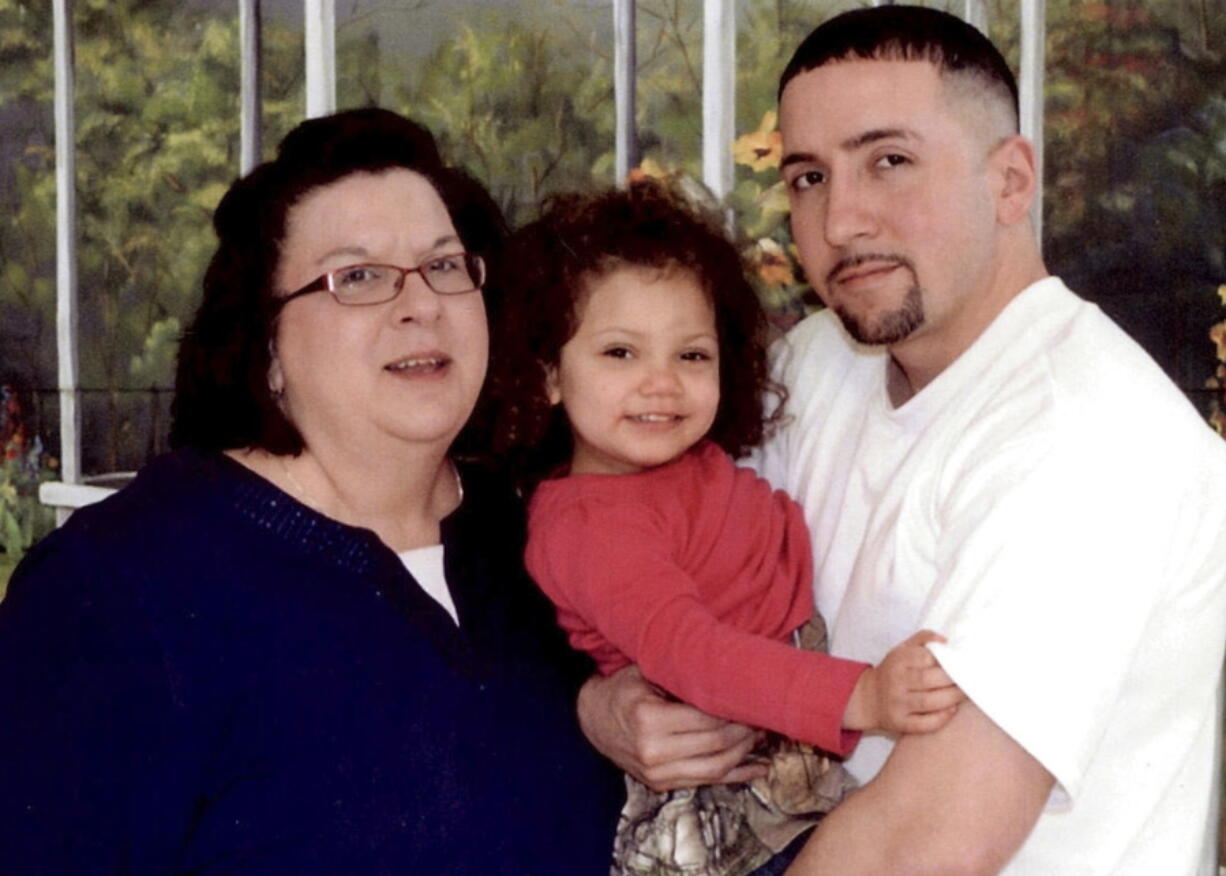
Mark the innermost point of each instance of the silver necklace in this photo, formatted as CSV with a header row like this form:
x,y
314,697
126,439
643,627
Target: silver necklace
x,y
308,498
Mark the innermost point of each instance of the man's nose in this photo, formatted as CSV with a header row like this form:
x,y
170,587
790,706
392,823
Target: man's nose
x,y
848,212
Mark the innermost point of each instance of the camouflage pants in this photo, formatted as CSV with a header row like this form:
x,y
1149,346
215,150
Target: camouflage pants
x,y
729,830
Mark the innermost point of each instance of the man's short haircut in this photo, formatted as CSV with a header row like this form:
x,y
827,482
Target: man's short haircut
x,y
908,33
222,399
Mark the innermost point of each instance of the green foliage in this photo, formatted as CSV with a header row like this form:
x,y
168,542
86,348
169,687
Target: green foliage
x,y
154,365
522,95
523,109
156,146
23,466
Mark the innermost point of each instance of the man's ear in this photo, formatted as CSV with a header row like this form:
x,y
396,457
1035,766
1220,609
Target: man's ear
x,y
551,385
1016,179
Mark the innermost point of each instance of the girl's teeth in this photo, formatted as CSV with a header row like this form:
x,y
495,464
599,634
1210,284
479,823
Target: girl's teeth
x,y
406,364
654,418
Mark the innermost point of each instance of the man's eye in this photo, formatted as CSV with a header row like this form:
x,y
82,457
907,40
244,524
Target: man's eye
x,y
893,159
807,179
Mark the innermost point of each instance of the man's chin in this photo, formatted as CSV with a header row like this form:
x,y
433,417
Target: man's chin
x,y
892,327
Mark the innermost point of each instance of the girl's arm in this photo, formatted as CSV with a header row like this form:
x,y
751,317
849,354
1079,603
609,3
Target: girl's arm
x,y
617,587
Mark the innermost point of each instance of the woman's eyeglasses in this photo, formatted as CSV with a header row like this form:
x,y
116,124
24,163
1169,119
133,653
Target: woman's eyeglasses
x,y
359,285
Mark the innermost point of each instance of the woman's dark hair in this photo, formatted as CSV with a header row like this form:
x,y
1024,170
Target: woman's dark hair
x,y
579,239
222,398
907,33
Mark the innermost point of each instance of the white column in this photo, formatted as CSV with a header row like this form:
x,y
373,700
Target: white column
x,y
1030,87
718,94
975,12
320,36
249,74
66,246
625,146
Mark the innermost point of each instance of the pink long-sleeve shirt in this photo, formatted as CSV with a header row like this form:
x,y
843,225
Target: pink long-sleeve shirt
x,y
698,572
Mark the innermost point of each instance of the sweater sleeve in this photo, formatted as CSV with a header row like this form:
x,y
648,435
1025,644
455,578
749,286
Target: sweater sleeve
x,y
613,579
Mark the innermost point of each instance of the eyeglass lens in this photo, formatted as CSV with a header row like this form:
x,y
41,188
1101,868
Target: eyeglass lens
x,y
368,284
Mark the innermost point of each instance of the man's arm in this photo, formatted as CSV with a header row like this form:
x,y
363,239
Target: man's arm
x,y
664,744
960,800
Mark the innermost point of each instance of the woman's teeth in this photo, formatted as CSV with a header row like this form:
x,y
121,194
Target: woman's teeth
x,y
428,363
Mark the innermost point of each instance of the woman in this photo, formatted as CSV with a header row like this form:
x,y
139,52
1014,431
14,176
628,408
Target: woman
x,y
304,641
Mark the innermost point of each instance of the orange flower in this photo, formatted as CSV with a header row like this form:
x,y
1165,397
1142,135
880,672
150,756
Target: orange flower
x,y
760,149
649,169
1095,11
1217,334
772,263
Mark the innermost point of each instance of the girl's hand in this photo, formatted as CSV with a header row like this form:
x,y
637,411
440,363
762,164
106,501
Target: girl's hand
x,y
908,692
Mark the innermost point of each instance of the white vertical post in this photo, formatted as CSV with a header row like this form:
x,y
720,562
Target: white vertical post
x,y
975,12
249,75
320,37
625,145
718,94
1030,88
66,247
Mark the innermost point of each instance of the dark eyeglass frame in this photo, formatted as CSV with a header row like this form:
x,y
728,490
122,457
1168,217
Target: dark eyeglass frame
x,y
326,282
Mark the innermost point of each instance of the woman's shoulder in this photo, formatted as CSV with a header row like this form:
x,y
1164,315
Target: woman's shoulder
x,y
171,486
171,502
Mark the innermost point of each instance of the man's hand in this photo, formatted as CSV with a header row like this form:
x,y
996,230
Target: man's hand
x,y
908,692
664,744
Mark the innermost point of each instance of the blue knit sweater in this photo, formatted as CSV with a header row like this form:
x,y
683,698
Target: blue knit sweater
x,y
201,674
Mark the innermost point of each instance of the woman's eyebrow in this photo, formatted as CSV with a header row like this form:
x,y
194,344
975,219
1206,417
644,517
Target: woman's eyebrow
x,y
359,251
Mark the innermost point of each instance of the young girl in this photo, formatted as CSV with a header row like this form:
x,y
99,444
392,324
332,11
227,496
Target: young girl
x,y
639,370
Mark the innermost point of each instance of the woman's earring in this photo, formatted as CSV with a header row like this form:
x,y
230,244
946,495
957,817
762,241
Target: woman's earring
x,y
276,380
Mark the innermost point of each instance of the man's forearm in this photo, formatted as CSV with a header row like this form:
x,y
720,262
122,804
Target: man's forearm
x,y
663,743
961,800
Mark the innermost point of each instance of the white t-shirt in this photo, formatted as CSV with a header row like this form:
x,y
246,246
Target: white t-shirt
x,y
1053,506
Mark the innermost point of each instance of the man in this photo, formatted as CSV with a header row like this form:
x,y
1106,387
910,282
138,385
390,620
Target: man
x,y
980,452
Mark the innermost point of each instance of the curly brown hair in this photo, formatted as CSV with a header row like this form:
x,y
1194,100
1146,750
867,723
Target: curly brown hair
x,y
581,238
222,399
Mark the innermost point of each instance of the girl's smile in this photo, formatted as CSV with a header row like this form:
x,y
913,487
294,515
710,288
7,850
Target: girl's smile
x,y
640,378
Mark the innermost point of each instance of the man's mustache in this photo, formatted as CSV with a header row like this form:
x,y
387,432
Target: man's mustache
x,y
854,261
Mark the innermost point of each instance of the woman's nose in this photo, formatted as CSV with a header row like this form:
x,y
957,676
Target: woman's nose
x,y
416,302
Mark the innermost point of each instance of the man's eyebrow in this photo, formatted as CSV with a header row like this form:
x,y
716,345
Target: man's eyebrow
x,y
797,158
876,134
853,143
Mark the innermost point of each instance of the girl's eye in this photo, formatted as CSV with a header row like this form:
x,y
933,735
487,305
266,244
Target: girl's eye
x,y
617,353
696,356
806,180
